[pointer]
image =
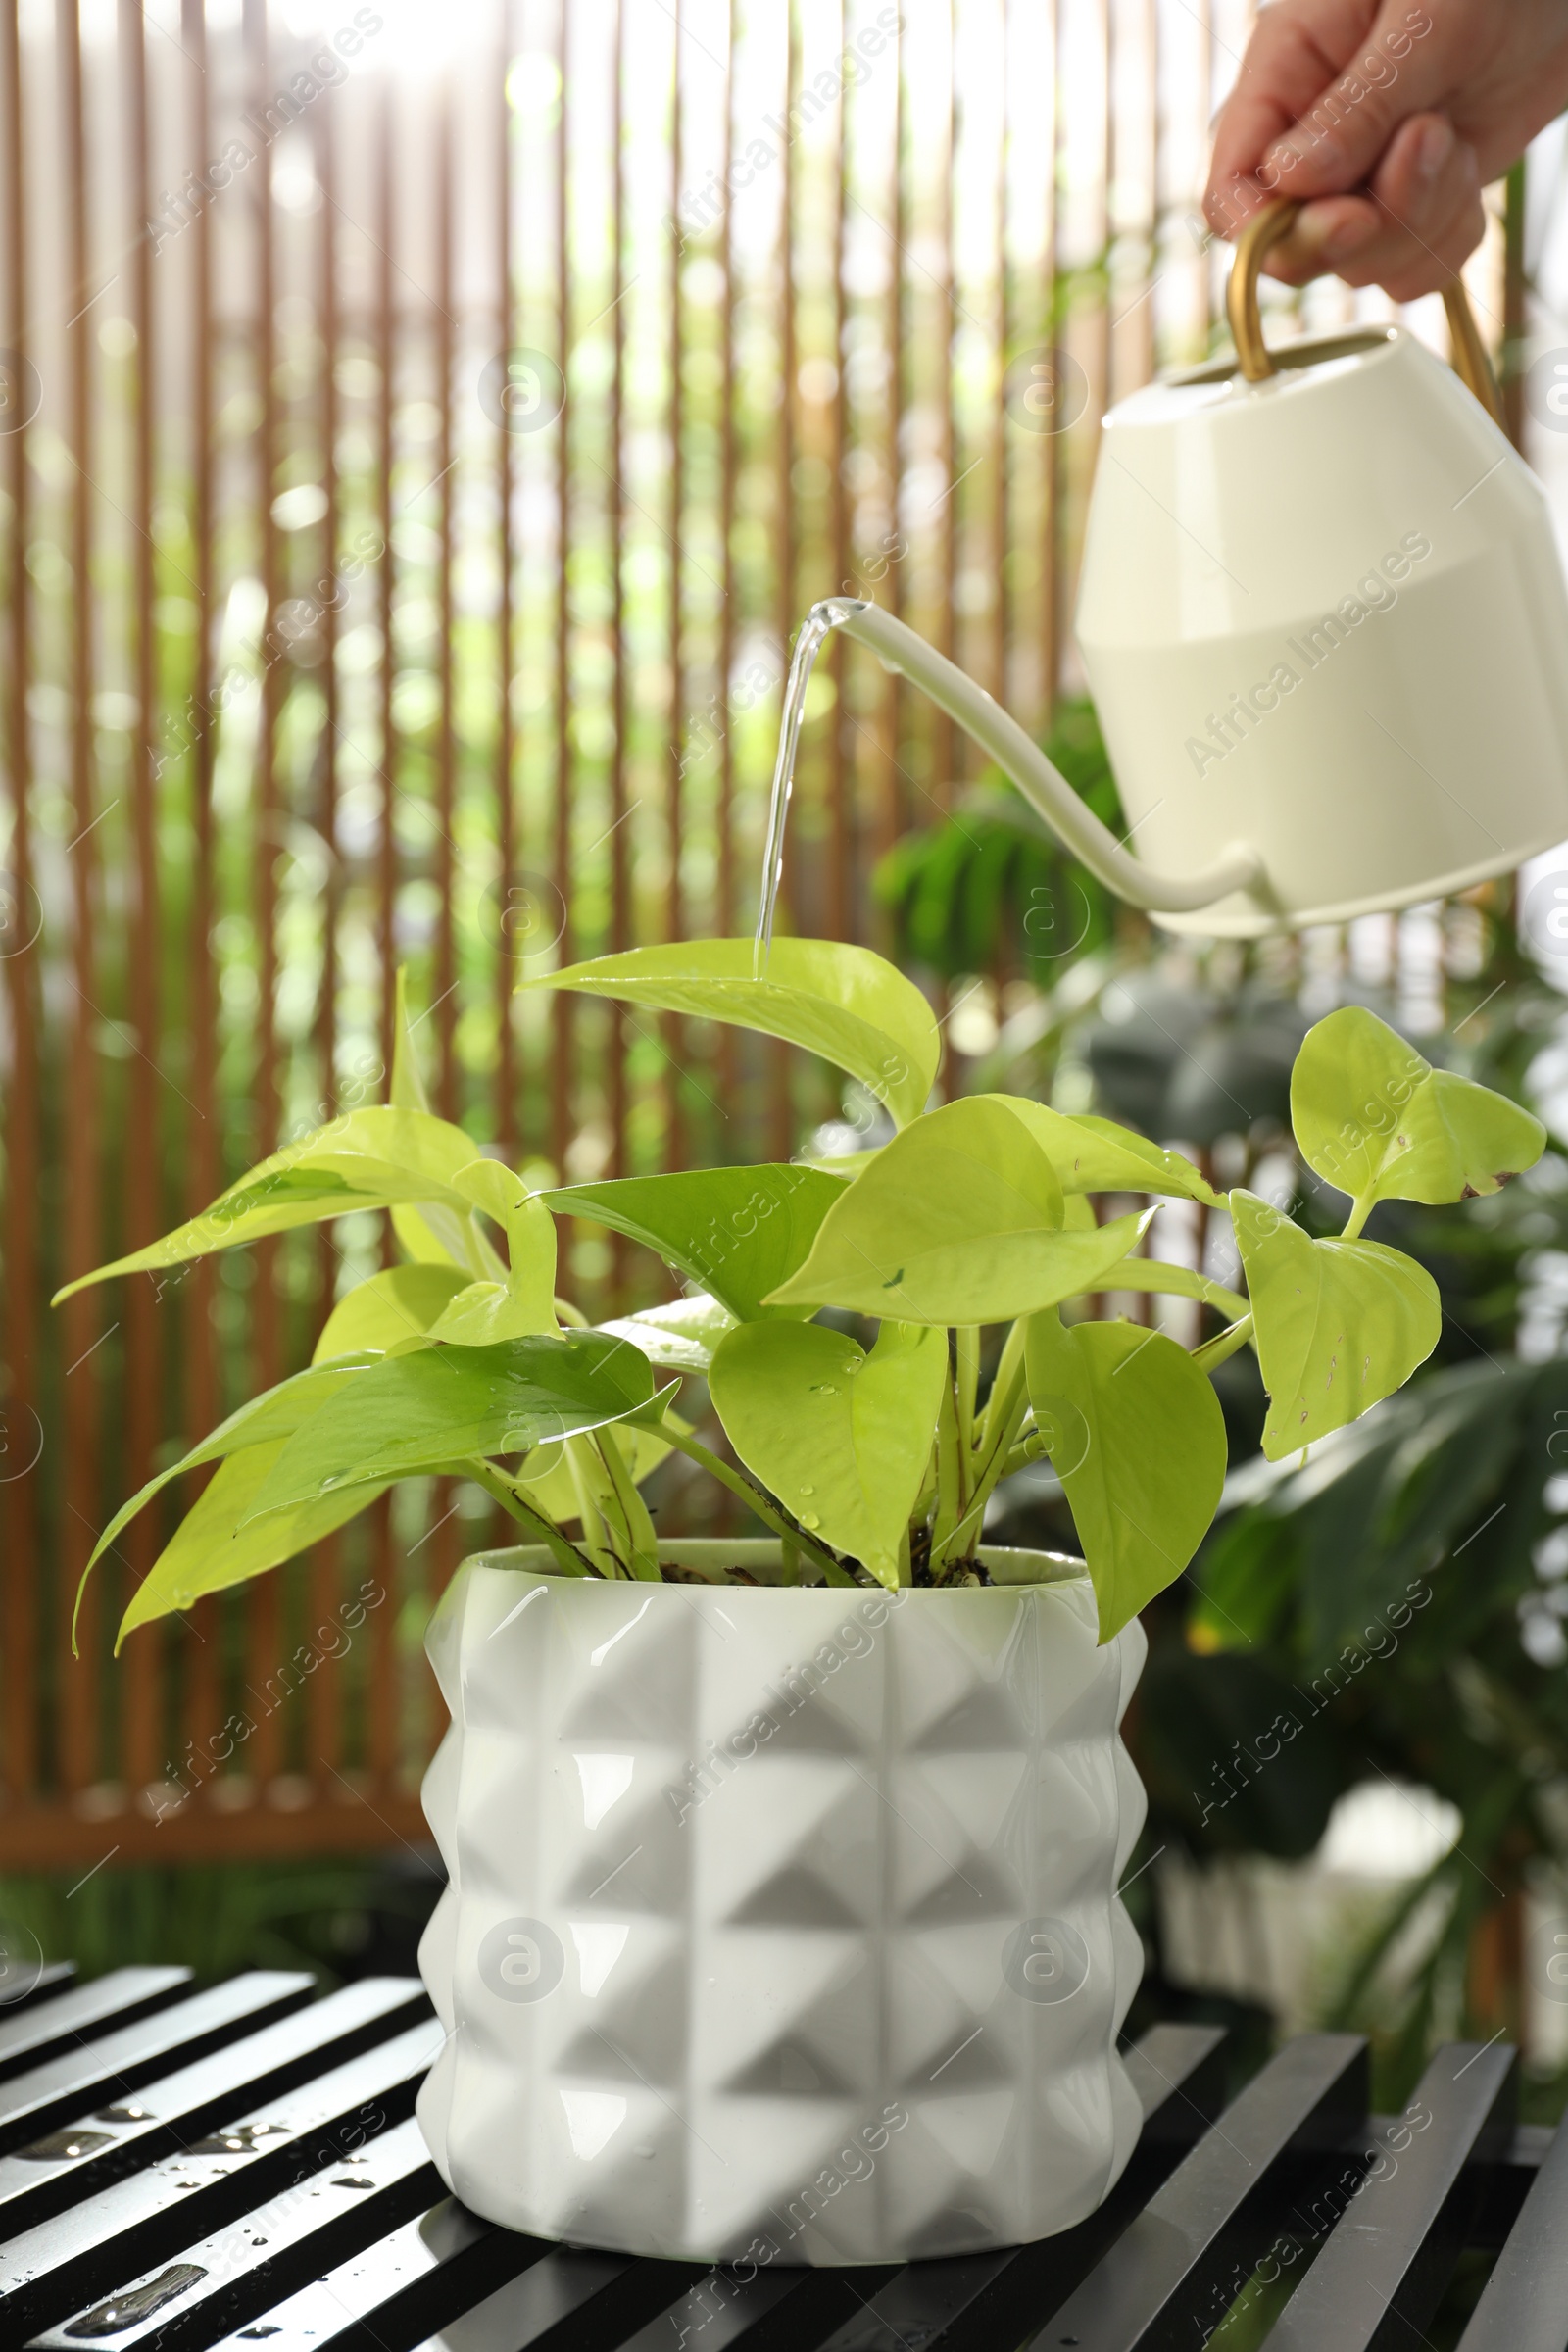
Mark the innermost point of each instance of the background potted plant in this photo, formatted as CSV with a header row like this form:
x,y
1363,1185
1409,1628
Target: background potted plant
x,y
782,1918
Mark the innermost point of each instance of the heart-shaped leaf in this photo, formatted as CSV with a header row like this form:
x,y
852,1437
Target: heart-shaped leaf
x,y
740,1232
211,1548
275,1414
843,1002
388,1310
841,1438
440,1404
1095,1156
1137,1437
959,1219
1339,1324
487,1311
680,1337
1377,1121
366,1159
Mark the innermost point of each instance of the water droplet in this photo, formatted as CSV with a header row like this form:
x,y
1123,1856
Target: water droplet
x,y
810,1519
336,1480
808,1489
824,1388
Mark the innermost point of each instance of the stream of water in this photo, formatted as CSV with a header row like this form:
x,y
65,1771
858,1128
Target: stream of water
x,y
815,628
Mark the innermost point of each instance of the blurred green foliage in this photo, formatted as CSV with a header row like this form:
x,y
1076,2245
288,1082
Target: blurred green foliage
x,y
335,1919
989,888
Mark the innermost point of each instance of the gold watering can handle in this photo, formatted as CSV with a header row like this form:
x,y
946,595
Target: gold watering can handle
x,y
1266,229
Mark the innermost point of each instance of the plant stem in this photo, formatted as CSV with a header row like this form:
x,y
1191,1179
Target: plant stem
x,y
1360,1211
1153,1274
1013,1407
642,1540
1011,1357
596,1535
949,1490
966,1350
755,1499
1223,1345
567,1558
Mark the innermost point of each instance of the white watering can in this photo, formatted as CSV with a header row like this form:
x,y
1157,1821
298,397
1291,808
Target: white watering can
x,y
1325,626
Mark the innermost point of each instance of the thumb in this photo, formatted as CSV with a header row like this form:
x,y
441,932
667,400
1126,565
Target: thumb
x,y
1338,137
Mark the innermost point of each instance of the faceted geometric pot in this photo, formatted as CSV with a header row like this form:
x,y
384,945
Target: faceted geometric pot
x,y
781,1923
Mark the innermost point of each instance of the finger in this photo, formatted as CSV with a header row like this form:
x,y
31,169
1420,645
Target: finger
x,y
1324,236
1294,54
1360,241
1343,131
1422,203
1419,253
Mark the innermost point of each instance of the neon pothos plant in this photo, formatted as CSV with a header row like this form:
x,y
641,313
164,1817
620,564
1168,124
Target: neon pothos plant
x,y
870,1461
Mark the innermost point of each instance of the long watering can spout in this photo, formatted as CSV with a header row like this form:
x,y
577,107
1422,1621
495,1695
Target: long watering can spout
x,y
1043,786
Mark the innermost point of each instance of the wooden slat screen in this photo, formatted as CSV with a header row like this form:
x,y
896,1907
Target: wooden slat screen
x,y
424,430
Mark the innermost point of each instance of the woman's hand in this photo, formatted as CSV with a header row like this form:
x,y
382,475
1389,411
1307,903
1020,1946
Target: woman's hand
x,y
1385,120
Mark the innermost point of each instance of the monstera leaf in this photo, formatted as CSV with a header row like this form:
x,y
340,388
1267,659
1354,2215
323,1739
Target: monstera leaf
x,y
1137,1437
961,1219
841,1437
1339,1325
1377,1121
839,1001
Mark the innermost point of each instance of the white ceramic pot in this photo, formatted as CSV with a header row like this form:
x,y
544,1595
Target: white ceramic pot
x,y
782,1923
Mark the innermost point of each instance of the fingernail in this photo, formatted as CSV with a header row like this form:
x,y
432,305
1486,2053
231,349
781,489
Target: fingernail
x,y
1434,148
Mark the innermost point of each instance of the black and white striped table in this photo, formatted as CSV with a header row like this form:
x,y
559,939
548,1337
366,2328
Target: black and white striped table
x,y
240,2168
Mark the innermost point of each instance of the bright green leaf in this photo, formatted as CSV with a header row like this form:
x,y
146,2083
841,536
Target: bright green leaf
x,y
440,1404
842,1003
1339,1324
437,1235
1138,1440
739,1232
681,1337
388,1309
211,1549
1095,1156
407,1092
961,1219
364,1159
1377,1121
275,1414
524,1302
841,1438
